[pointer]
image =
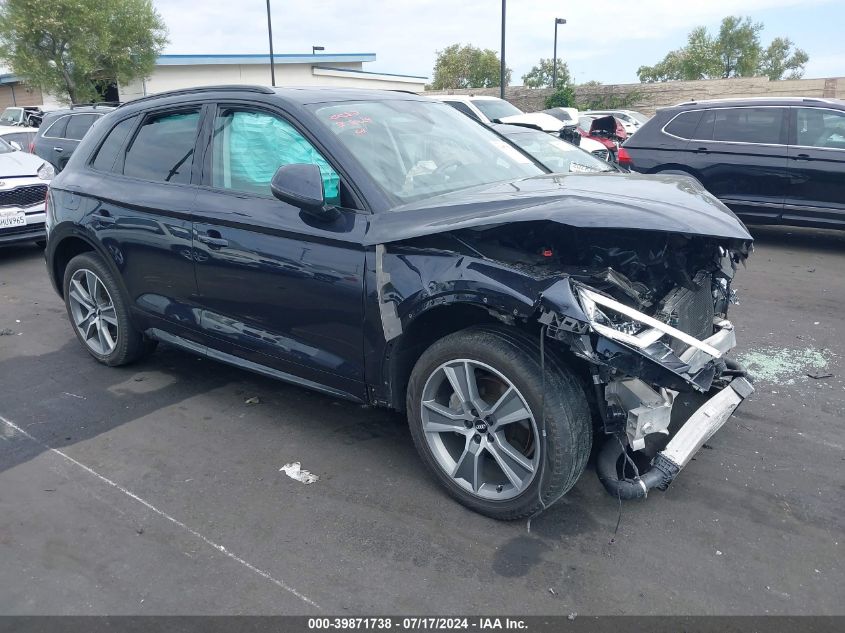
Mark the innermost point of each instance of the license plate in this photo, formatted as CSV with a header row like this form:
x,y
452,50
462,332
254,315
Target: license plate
x,y
8,220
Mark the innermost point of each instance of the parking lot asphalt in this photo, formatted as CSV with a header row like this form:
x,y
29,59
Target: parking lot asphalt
x,y
155,488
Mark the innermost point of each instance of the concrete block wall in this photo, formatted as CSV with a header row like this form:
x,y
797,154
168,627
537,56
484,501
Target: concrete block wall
x,y
658,95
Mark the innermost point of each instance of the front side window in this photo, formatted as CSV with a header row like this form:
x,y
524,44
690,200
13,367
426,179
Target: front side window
x,y
417,149
817,127
748,125
250,146
496,108
78,124
163,148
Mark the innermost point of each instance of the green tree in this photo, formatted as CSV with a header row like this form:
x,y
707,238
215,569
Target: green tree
x,y
73,47
563,97
782,61
540,76
467,67
736,51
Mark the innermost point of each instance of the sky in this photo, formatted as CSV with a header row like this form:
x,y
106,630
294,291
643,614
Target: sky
x,y
603,40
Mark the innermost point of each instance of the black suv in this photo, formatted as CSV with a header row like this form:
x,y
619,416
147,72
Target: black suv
x,y
61,131
384,248
770,160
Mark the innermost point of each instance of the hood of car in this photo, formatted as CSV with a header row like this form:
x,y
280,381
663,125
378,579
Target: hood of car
x,y
590,145
663,203
17,164
545,122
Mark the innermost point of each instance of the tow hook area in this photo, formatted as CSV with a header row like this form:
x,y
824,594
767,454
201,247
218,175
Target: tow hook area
x,y
699,428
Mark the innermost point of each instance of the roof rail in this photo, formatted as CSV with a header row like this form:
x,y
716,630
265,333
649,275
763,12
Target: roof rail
x,y
199,89
96,104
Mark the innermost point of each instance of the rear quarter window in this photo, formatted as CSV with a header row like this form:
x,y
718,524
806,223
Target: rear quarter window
x,y
684,124
78,125
57,128
107,155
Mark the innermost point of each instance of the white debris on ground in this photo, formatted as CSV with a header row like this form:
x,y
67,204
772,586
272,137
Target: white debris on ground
x,y
294,470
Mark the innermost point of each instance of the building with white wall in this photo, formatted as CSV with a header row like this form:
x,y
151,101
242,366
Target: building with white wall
x,y
173,72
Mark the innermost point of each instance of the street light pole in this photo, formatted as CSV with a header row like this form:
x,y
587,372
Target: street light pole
x,y
554,58
502,67
270,33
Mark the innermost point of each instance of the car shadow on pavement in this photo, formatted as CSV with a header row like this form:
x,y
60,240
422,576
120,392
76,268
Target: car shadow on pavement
x,y
812,240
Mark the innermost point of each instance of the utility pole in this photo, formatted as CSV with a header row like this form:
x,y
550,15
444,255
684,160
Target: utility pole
x,y
554,57
270,33
502,67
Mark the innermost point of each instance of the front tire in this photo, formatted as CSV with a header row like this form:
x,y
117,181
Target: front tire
x,y
97,307
475,408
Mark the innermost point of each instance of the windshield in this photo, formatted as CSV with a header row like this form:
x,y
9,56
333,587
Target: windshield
x,y
557,155
496,108
10,116
419,149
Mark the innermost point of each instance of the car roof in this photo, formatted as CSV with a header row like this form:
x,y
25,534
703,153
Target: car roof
x,y
298,96
737,101
86,109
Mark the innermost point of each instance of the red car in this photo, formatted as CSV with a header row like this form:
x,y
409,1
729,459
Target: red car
x,y
604,129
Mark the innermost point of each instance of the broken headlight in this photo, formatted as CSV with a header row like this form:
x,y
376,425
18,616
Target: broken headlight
x,y
623,323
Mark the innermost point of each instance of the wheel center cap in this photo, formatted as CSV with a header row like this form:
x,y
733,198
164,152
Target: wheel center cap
x,y
481,426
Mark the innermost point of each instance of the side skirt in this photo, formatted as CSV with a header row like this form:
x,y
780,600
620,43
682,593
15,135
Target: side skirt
x,y
229,359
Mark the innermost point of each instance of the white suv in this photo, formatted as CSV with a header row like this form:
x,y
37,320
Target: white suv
x,y
23,188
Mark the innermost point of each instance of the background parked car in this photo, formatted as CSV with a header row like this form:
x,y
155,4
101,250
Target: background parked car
x,y
61,131
566,115
29,116
553,153
769,160
600,134
23,189
495,110
22,138
631,120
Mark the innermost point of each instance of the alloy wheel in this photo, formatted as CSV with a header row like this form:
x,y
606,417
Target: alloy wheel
x,y
93,311
480,429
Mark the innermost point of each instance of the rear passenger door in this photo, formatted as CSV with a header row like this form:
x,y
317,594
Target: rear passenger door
x,y
140,183
278,288
816,166
740,155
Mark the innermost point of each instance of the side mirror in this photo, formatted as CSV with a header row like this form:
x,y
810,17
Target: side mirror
x,y
16,145
301,185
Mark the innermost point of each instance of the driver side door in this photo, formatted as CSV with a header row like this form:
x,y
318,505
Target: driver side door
x,y
281,292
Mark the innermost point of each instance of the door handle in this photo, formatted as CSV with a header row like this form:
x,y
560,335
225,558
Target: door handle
x,y
802,157
213,239
701,150
58,149
104,218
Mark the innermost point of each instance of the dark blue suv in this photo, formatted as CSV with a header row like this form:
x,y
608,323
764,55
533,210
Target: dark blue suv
x,y
770,160
384,248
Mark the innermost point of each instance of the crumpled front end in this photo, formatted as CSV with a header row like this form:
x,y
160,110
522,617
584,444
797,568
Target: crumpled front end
x,y
644,349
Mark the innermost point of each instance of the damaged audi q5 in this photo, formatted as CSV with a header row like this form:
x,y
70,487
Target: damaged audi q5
x,y
382,247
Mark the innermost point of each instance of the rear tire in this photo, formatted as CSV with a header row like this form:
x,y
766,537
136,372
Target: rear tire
x,y
483,445
97,306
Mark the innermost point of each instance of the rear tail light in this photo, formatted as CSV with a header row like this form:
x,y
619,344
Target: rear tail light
x,y
32,147
624,158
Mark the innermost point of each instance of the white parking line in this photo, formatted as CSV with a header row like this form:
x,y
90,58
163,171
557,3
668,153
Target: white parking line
x,y
163,514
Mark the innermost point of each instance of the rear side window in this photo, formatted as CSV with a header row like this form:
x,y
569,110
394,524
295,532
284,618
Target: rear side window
x,y
163,148
78,124
748,125
57,129
683,125
110,149
463,108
